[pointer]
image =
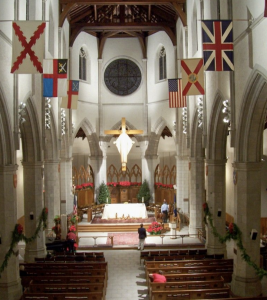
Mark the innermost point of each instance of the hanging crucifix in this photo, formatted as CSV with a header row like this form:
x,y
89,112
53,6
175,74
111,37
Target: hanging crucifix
x,y
124,143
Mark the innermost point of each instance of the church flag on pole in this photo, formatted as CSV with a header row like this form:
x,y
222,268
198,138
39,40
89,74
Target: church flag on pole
x,y
192,76
176,99
27,47
71,100
55,78
75,205
218,48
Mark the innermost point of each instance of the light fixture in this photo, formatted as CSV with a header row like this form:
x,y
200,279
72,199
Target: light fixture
x,y
123,143
200,112
184,113
47,113
22,107
63,122
227,111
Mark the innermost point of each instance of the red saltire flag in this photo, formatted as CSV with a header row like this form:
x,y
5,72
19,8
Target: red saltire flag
x,y
27,47
176,99
71,100
192,76
55,78
218,48
265,9
75,205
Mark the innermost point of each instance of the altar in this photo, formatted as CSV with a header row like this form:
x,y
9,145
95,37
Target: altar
x,y
133,210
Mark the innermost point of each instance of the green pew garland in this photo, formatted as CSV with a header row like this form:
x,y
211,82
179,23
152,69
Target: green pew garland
x,y
17,236
234,233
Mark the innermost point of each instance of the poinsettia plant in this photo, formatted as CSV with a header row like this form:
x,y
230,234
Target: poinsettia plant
x,y
155,228
87,185
112,183
124,183
136,183
78,187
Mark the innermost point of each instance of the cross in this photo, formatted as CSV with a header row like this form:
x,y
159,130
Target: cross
x,y
123,142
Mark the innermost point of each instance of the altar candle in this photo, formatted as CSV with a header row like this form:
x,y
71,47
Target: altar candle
x,y
107,200
142,199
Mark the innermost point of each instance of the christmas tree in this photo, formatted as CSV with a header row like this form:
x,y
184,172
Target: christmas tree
x,y
144,192
103,194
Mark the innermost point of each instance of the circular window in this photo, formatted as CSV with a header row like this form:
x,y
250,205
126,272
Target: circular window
x,y
122,77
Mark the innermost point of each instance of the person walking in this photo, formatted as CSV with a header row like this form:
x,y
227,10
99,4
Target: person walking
x,y
164,210
142,237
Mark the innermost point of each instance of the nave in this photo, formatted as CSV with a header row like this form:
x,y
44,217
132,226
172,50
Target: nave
x,y
126,275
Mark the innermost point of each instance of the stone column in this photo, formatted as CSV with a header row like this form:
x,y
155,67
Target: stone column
x,y
10,287
215,174
247,180
182,182
33,203
66,196
99,172
150,163
196,194
52,191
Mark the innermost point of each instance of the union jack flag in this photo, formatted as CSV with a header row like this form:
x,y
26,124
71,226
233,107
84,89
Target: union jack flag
x,y
218,49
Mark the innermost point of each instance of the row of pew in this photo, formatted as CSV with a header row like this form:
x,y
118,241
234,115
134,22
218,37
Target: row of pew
x,y
73,257
190,279
160,255
47,280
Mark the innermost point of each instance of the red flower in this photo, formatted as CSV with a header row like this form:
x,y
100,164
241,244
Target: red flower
x,y
75,245
19,229
46,210
231,228
124,183
204,206
72,228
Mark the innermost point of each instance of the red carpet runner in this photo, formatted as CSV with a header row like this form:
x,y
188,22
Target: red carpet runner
x,y
98,220
123,239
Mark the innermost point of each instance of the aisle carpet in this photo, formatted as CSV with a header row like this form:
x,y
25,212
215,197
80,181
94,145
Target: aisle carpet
x,y
123,239
98,220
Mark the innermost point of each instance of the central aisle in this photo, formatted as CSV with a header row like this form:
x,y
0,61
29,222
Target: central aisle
x,y
126,278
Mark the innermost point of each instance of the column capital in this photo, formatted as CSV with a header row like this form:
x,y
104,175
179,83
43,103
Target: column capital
x,y
30,164
8,169
249,166
215,162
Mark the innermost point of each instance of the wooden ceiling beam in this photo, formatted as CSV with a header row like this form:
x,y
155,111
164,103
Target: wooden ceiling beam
x,y
122,2
179,9
102,40
64,14
145,26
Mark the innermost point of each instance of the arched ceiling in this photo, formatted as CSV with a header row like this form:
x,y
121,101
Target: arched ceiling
x,y
121,19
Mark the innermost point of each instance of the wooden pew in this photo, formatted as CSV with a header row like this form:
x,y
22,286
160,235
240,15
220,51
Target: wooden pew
x,y
67,288
172,257
67,279
56,273
68,265
189,263
190,270
192,294
62,296
184,285
227,276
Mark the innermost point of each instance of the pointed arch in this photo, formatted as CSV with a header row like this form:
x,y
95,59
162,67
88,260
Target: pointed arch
x,y
93,141
6,141
31,134
216,149
251,120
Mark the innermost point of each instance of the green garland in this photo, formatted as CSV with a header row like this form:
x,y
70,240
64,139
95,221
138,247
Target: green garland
x,y
18,236
234,233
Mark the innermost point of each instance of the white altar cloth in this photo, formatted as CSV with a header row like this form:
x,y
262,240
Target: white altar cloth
x,y
134,210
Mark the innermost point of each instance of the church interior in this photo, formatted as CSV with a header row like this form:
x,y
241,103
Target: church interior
x,y
108,108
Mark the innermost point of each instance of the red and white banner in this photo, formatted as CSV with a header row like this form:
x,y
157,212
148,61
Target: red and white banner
x,y
27,47
192,76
